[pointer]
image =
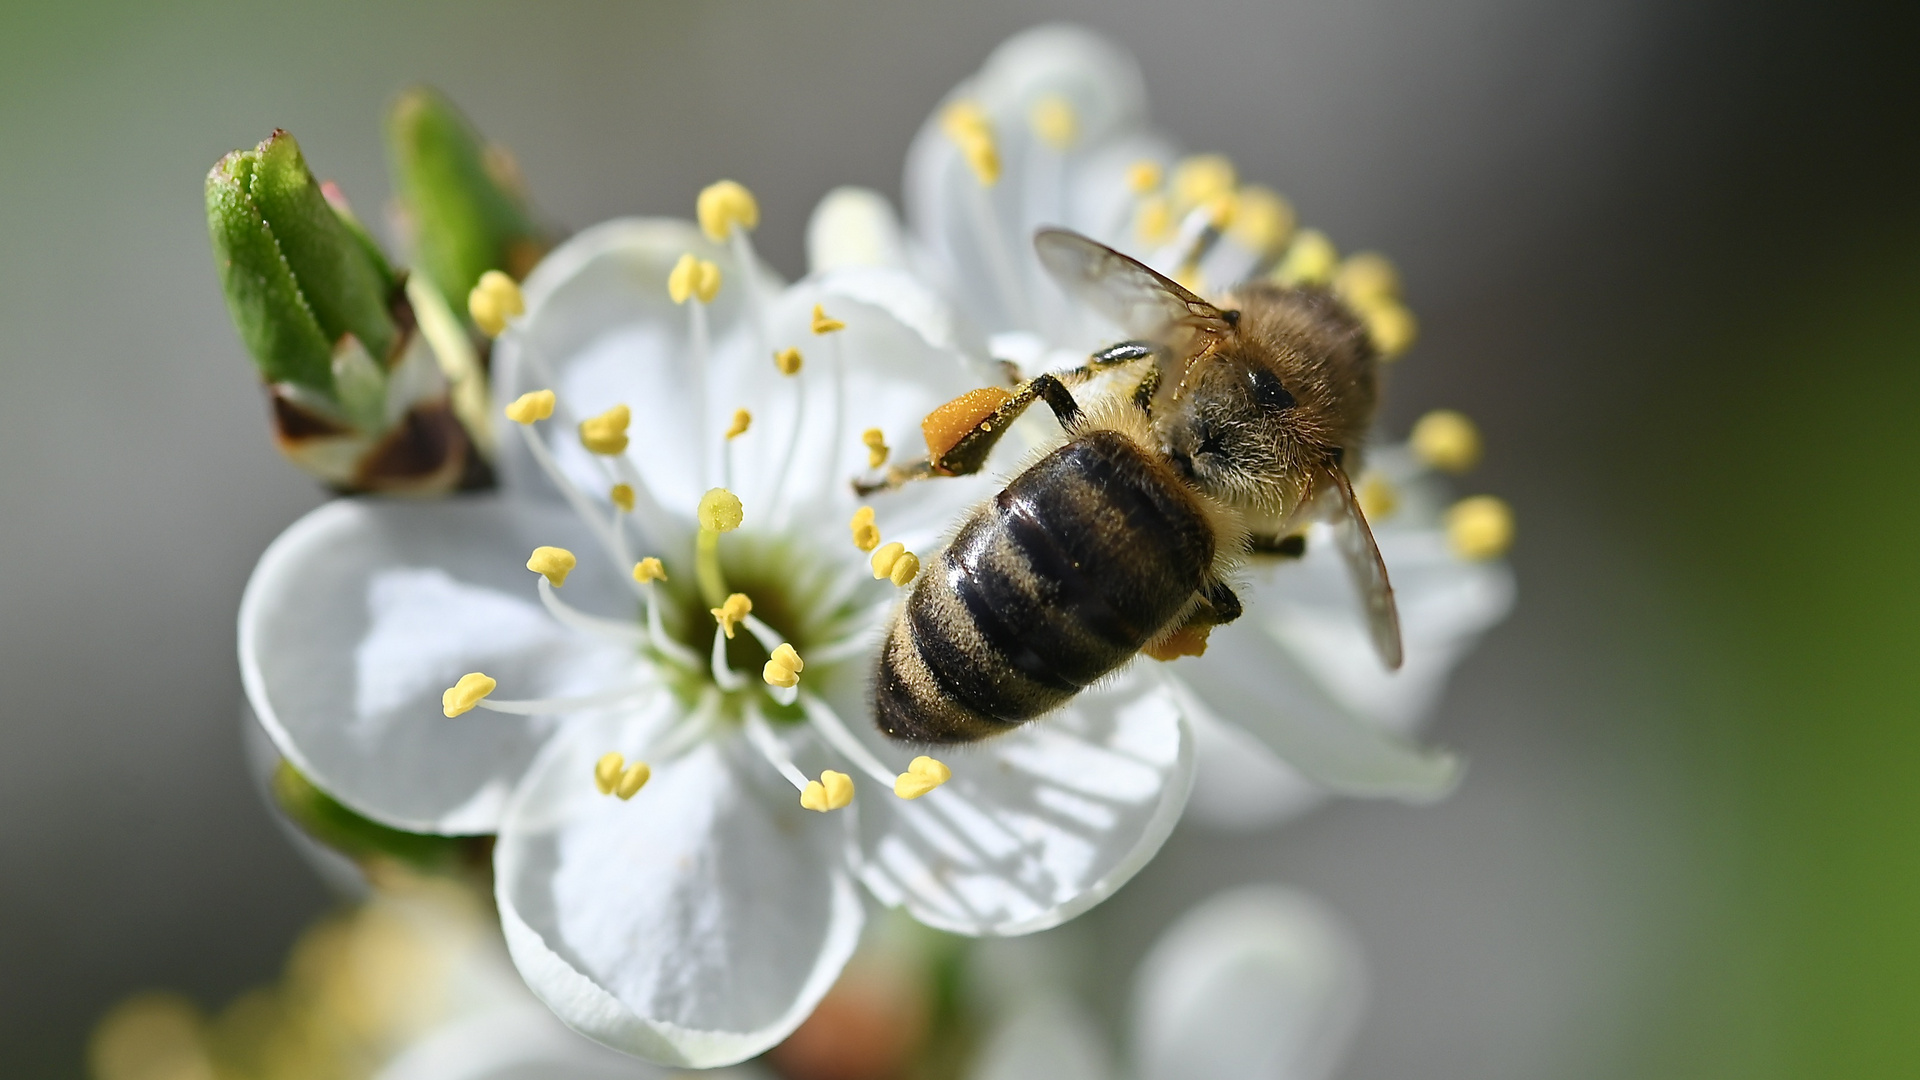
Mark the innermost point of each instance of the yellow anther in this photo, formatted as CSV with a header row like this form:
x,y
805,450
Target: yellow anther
x,y
1310,260
1054,121
784,668
1446,440
831,792
787,656
607,433
967,125
788,361
1144,176
895,563
693,277
1262,220
876,443
606,772
1220,209
494,300
552,563
884,559
1202,177
649,569
824,323
866,535
725,206
528,407
742,420
720,511
1378,497
730,614
464,695
1154,220
923,775
905,569
1392,328
1479,528
632,780
1365,279
622,496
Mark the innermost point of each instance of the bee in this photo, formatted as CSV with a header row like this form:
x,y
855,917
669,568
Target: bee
x,y
1222,432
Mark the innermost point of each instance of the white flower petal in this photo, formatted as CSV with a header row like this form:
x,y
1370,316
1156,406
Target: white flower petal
x,y
1037,825
364,612
1258,983
972,236
1044,1037
854,226
601,330
1248,680
1445,604
900,355
1238,784
697,924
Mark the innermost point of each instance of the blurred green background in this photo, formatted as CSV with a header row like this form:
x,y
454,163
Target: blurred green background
x,y
1667,255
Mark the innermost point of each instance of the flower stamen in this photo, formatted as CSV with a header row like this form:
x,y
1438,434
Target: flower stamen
x,y
613,776
621,495
1054,121
606,434
552,563
789,361
894,562
566,614
866,534
832,791
875,441
1446,440
732,613
1479,528
783,670
531,406
923,775
493,301
547,706
462,696
765,741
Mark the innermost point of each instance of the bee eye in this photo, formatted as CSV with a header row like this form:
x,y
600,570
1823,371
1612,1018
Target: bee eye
x,y
1268,391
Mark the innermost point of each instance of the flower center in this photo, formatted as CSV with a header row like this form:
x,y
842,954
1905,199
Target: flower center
x,y
740,627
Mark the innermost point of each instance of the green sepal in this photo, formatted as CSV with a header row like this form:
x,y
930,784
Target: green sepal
x,y
268,310
297,277
348,292
324,818
466,218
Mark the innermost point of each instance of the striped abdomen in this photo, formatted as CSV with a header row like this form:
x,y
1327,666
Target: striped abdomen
x,y
1060,579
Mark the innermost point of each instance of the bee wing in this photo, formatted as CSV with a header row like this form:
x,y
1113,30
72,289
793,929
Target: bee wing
x,y
1146,303
1364,564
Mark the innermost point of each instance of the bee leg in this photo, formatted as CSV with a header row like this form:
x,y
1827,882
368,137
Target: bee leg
x,y
1291,546
1223,600
896,477
968,453
1143,393
1126,352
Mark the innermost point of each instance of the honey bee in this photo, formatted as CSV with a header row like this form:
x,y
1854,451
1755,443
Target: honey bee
x,y
1237,431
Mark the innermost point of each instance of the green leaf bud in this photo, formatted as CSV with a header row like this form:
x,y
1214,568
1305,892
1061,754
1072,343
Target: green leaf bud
x,y
463,198
297,278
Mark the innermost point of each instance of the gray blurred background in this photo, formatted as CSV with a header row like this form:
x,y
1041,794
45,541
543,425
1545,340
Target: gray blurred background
x,y
1600,208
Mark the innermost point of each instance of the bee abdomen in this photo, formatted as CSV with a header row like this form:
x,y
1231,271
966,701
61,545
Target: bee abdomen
x,y
1063,577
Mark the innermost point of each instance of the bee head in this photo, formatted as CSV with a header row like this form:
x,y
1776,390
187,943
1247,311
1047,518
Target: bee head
x,y
1238,432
